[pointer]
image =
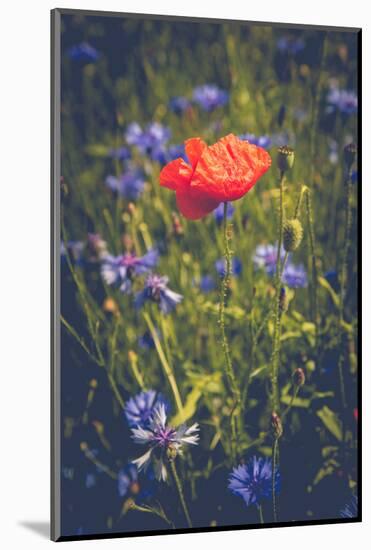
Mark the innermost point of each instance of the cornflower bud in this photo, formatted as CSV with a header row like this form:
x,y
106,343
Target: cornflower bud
x,y
276,424
299,377
285,158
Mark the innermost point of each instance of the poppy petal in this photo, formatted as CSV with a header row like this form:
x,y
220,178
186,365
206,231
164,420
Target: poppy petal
x,y
230,168
193,204
194,148
175,175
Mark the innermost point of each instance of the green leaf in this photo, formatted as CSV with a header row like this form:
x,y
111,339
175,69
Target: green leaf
x,y
331,421
301,402
189,408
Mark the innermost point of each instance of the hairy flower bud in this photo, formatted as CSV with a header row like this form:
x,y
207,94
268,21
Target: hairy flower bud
x,y
276,424
171,452
292,234
299,377
285,158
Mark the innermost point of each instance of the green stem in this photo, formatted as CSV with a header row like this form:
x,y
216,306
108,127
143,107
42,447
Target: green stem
x,y
344,280
314,265
274,471
225,344
261,517
289,406
165,364
277,322
180,492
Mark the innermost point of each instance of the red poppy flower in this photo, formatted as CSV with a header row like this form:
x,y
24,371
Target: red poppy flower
x,y
217,173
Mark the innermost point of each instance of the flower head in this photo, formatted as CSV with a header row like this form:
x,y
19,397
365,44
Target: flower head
x,y
129,185
83,52
154,135
218,173
156,290
266,257
351,509
140,408
163,441
209,97
129,485
345,101
295,276
253,481
119,153
122,269
207,283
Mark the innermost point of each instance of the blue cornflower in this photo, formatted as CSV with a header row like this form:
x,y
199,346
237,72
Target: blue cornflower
x,y
295,276
119,153
129,185
209,97
156,290
351,509
83,52
164,154
345,101
261,141
253,481
120,270
207,283
236,267
140,408
266,257
219,212
153,136
290,45
179,104
162,439
128,483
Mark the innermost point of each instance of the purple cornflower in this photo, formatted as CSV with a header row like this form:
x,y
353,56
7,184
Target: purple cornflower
x,y
153,136
83,52
345,101
351,509
179,104
129,185
207,283
119,153
253,481
290,45
156,290
261,141
236,267
140,408
295,276
162,440
209,97
122,269
266,257
219,212
164,154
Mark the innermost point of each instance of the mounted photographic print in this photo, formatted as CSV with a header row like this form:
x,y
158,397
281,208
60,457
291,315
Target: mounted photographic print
x,y
205,215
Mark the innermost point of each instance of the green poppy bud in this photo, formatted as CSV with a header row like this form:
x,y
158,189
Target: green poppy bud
x,y
292,234
285,158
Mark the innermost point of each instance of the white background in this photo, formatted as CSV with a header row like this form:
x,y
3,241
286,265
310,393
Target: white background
x,y
24,247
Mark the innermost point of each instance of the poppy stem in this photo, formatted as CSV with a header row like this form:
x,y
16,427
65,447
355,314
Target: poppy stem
x,y
180,492
344,280
225,345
